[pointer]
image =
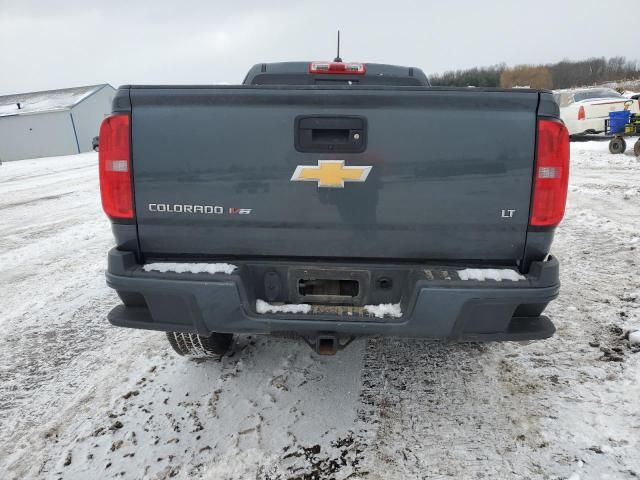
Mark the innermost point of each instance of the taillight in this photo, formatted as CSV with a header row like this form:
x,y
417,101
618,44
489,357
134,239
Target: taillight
x,y
551,177
350,68
581,115
115,167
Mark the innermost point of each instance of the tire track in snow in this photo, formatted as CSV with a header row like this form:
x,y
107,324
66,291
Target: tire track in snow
x,y
440,411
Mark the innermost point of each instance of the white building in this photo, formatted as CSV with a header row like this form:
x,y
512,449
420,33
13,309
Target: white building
x,y
53,122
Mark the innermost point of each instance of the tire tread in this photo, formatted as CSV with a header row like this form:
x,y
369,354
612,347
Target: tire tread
x,y
199,346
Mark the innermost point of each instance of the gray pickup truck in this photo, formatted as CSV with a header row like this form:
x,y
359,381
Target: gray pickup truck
x,y
332,200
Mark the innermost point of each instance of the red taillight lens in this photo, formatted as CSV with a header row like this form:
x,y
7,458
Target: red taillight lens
x,y
115,167
551,178
581,115
351,68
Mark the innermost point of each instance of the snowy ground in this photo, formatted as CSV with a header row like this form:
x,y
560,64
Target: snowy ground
x,y
80,399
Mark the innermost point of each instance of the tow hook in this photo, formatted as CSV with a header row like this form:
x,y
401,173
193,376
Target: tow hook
x,y
327,343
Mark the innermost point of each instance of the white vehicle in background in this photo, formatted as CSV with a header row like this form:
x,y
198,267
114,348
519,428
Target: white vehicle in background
x,y
584,110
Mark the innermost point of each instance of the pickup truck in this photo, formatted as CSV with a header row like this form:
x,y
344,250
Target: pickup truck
x,y
332,200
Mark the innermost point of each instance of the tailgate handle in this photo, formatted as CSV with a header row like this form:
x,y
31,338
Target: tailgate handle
x,y
322,133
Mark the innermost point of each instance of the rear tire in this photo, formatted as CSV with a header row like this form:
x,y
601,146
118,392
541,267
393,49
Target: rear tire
x,y
636,148
617,145
198,346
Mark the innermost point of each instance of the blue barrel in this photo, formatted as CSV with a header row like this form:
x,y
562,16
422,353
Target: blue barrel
x,y
617,121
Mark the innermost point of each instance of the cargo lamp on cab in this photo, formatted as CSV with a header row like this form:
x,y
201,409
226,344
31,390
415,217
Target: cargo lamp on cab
x,y
337,68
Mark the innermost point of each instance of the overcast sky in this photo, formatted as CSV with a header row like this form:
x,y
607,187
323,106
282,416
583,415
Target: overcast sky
x,y
55,44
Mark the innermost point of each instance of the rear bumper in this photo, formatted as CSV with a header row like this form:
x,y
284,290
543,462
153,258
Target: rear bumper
x,y
448,309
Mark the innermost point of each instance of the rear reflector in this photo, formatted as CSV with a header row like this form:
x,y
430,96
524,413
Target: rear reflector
x,y
581,115
115,167
339,68
551,178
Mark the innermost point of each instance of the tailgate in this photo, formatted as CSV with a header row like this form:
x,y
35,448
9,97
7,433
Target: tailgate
x,y
449,178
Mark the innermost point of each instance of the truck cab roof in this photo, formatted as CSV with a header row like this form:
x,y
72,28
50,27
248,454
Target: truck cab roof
x,y
299,73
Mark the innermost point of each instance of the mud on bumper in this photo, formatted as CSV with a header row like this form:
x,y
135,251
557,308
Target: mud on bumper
x,y
444,307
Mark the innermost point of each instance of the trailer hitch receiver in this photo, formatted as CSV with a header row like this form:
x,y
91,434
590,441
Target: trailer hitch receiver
x,y
327,343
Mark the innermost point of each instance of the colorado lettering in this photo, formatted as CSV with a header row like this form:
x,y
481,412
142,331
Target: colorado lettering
x,y
196,209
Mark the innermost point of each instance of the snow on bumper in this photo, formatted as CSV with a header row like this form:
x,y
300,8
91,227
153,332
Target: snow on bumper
x,y
456,309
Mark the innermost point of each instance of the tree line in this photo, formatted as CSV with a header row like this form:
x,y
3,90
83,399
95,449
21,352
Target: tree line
x,y
563,74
